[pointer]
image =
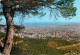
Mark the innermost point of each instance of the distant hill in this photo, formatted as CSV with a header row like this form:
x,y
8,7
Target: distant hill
x,y
73,24
49,24
52,27
49,27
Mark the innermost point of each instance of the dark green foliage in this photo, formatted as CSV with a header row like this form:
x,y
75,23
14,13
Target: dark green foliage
x,y
16,39
16,51
66,7
60,42
19,28
37,46
2,34
33,7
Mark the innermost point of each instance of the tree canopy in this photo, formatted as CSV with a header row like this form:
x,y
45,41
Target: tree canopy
x,y
65,7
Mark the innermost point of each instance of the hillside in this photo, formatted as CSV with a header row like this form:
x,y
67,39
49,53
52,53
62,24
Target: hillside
x,y
38,46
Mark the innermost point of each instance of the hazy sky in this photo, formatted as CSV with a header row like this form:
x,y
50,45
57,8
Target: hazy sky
x,y
47,19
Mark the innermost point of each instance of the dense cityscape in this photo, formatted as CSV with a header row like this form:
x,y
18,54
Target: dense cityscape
x,y
43,32
69,32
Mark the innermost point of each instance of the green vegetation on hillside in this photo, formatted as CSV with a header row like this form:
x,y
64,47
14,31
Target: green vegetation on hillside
x,y
38,46
57,42
2,34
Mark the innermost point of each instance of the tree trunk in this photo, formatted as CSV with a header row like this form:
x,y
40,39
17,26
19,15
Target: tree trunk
x,y
9,34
